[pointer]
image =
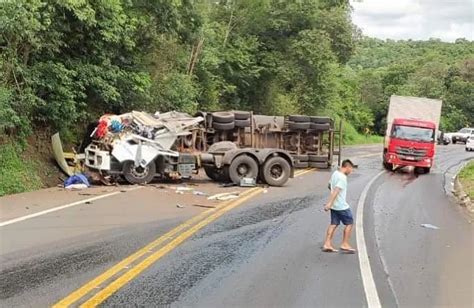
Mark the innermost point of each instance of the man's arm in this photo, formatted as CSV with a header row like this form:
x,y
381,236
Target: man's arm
x,y
332,198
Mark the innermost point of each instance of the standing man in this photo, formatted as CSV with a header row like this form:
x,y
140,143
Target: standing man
x,y
340,210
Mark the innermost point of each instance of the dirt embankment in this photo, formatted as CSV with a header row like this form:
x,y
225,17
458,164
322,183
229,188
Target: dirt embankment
x,y
39,151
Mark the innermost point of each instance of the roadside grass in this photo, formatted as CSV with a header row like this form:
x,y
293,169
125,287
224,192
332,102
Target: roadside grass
x,y
16,173
350,136
466,177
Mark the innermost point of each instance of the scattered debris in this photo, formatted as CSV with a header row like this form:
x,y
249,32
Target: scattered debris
x,y
88,202
227,185
88,194
205,206
77,186
184,188
180,206
265,191
430,226
224,196
75,180
200,193
248,182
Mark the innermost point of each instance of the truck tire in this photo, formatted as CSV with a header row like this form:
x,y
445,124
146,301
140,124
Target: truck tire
x,y
242,123
301,165
223,117
299,125
298,118
138,175
318,158
242,166
215,174
319,165
223,126
388,166
319,126
276,171
301,158
321,120
241,115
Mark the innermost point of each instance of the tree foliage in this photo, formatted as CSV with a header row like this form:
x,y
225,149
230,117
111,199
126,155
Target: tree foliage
x,y
66,62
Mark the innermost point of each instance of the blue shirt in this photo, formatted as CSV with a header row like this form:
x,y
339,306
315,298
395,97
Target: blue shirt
x,y
339,180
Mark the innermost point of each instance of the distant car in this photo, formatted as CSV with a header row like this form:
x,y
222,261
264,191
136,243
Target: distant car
x,y
470,143
443,138
462,135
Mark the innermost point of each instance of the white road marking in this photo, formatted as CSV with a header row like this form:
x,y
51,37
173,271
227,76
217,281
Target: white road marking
x,y
370,289
62,207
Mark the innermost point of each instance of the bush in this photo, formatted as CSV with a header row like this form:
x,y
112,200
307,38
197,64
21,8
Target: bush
x,y
16,174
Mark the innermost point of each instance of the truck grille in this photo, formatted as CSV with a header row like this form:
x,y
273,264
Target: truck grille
x,y
405,151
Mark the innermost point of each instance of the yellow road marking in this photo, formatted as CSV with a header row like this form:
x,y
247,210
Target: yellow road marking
x,y
304,171
135,271
91,285
96,282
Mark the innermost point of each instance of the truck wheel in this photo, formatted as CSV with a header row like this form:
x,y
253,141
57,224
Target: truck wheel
x,y
242,115
320,126
301,165
243,166
276,171
388,166
426,170
318,158
223,117
299,118
321,120
299,125
138,175
218,175
319,165
301,158
223,126
242,123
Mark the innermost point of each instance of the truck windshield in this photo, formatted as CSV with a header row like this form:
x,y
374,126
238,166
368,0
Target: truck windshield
x,y
413,133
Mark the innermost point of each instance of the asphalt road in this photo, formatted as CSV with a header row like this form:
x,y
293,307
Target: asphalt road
x,y
262,253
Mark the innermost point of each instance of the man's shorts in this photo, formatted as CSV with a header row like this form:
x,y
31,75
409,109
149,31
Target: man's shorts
x,y
344,216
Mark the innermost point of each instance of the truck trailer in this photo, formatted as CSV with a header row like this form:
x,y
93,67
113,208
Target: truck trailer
x,y
410,138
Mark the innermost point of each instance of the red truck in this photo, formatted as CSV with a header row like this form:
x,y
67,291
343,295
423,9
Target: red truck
x,y
410,139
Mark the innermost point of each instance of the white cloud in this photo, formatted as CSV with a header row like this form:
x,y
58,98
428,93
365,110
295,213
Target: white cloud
x,y
415,19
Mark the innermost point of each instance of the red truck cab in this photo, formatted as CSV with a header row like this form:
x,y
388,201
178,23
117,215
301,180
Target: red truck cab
x,y
410,143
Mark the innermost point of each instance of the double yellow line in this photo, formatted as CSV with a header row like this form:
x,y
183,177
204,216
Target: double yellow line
x,y
175,237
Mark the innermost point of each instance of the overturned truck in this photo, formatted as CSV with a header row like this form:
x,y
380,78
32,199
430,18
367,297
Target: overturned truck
x,y
229,146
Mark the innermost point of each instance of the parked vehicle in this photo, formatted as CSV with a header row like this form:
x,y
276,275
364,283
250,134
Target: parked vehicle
x,y
411,129
470,143
462,135
443,139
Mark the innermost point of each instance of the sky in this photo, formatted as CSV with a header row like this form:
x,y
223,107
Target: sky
x,y
415,19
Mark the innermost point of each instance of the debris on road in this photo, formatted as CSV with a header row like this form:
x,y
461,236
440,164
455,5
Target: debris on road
x,y
224,196
77,181
200,193
180,206
430,226
205,206
248,182
76,186
183,189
